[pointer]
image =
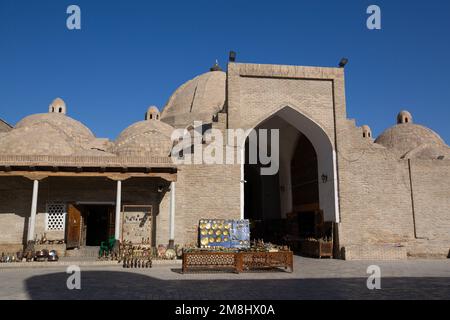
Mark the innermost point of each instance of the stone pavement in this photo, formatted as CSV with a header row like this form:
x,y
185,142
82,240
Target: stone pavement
x,y
311,279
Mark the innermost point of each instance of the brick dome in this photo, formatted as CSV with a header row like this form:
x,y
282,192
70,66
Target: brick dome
x,y
405,137
43,139
60,122
198,99
51,133
150,137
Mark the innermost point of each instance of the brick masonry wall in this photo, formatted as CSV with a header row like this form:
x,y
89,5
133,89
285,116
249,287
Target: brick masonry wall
x,y
257,91
376,203
375,252
431,190
375,196
15,204
205,191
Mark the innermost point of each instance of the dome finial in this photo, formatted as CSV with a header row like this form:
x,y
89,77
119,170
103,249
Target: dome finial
x,y
367,133
216,67
404,117
152,113
57,106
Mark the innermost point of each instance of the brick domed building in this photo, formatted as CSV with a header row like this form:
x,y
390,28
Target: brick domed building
x,y
373,199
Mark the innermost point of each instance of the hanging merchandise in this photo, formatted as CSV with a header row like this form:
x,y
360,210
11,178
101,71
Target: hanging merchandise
x,y
240,234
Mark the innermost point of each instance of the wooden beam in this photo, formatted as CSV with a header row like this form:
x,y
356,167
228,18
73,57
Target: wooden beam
x,y
39,175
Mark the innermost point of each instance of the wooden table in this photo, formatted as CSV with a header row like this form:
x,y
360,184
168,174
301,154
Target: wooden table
x,y
241,261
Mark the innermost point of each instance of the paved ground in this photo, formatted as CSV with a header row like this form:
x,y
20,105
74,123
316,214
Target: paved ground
x,y
312,279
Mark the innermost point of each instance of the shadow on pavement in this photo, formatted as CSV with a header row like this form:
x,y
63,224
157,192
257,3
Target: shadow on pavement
x,y
129,285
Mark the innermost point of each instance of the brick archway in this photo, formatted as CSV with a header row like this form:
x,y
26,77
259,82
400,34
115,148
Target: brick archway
x,y
326,159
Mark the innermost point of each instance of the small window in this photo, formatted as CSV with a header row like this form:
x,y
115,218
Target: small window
x,y
364,134
55,217
60,110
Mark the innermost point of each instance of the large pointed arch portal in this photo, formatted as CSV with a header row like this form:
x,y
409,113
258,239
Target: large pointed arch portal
x,y
305,188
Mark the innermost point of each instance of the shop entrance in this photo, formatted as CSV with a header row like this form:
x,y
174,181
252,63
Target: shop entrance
x,y
98,224
285,205
297,204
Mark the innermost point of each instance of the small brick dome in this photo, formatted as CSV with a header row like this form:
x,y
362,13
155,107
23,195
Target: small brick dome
x,y
57,106
152,113
405,137
149,137
404,117
367,132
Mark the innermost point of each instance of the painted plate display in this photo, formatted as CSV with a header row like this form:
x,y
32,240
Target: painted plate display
x,y
224,233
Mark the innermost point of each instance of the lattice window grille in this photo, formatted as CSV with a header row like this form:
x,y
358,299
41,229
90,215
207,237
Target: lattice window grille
x,y
55,217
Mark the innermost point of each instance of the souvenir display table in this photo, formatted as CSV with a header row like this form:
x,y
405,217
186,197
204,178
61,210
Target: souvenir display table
x,y
249,260
201,260
225,246
236,261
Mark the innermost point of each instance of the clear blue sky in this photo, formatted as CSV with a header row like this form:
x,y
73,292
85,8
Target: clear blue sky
x,y
132,54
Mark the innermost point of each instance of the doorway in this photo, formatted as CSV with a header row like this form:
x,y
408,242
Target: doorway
x,y
286,203
98,224
298,203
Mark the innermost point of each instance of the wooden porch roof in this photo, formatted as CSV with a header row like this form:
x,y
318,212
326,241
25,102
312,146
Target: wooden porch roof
x,y
113,167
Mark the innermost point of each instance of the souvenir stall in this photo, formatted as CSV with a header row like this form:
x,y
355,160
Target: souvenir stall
x,y
225,245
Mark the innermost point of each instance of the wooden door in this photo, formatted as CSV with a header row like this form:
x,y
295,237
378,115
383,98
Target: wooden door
x,y
73,230
111,221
